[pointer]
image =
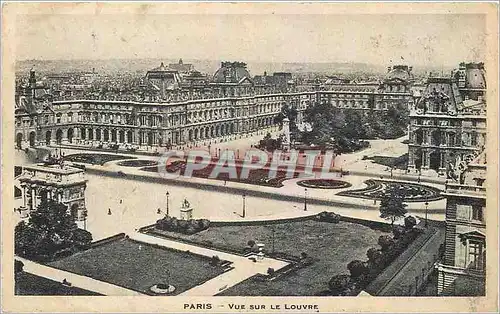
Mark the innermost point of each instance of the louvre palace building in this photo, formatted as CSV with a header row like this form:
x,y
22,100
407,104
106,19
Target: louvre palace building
x,y
175,105
448,122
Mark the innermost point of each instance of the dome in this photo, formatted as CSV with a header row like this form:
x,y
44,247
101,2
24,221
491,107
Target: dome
x,y
231,72
401,72
475,78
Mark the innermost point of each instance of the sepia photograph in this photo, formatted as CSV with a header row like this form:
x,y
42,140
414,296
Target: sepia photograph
x,y
249,157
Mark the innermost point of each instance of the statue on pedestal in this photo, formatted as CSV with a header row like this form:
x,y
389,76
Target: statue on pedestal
x,y
186,210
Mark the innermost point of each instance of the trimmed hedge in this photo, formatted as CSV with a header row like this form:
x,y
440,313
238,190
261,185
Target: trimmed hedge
x,y
190,226
328,217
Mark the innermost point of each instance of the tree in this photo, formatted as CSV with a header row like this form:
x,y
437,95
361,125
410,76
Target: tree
x,y
392,206
338,283
398,232
357,268
410,222
82,238
373,255
50,229
385,242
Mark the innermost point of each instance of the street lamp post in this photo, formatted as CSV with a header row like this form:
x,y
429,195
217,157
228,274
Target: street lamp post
x,y
426,210
168,194
85,220
305,199
243,213
273,230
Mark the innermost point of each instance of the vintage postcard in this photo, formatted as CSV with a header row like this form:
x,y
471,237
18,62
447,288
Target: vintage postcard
x,y
249,157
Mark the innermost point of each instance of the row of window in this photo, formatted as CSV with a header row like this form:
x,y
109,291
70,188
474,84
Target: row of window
x,y
441,122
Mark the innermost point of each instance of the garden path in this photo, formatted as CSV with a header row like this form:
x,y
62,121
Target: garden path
x,y
243,267
79,281
401,284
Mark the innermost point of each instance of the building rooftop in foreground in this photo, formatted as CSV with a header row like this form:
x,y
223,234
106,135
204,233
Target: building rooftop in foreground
x,y
64,169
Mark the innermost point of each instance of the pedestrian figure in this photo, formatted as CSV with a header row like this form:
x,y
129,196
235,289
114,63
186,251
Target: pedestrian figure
x,y
121,201
158,211
374,202
224,182
109,211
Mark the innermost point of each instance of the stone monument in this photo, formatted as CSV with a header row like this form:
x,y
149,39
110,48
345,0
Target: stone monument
x,y
186,210
286,132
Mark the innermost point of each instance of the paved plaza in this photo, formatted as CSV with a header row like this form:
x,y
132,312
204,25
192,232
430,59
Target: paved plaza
x,y
135,203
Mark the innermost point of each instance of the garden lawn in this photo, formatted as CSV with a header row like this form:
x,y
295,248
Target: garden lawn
x,y
29,284
335,245
400,162
138,266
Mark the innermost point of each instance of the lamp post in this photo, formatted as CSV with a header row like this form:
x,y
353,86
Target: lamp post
x,y
243,213
426,210
168,194
85,220
272,242
305,199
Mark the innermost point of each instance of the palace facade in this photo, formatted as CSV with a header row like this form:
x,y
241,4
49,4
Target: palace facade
x,y
462,271
176,105
448,123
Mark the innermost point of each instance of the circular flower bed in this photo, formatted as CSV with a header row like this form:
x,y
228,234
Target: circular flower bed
x,y
412,192
162,288
324,184
138,163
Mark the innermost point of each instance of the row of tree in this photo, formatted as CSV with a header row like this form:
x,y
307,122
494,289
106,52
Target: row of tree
x,y
361,273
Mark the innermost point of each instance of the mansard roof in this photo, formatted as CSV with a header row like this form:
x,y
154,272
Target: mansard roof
x,y
442,90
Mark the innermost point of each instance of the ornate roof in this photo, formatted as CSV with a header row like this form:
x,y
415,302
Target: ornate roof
x,y
181,67
231,72
475,79
441,91
399,72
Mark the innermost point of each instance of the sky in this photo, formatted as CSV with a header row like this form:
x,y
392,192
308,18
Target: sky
x,y
376,39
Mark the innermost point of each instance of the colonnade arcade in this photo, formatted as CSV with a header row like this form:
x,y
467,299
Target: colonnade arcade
x,y
150,136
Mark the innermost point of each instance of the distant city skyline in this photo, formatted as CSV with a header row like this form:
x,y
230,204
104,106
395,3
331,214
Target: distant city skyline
x,y
419,40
